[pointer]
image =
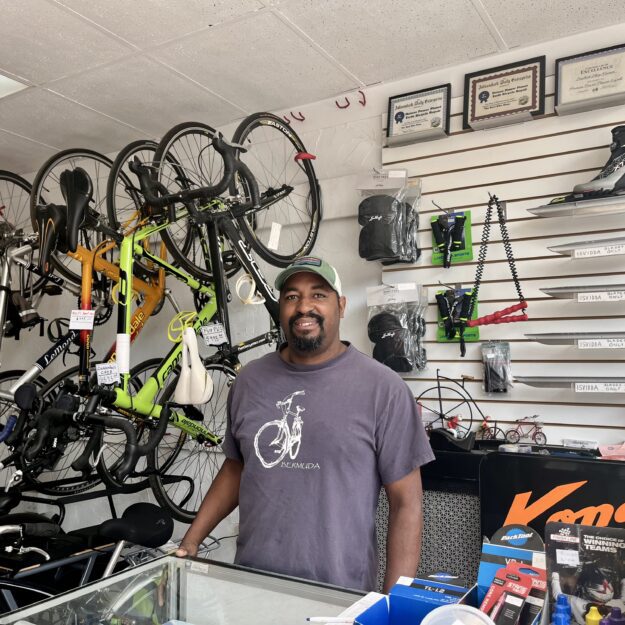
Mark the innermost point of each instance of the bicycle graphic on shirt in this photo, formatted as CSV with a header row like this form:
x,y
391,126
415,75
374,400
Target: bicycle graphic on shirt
x,y
287,439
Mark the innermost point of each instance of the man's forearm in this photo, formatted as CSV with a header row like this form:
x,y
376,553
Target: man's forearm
x,y
220,500
405,528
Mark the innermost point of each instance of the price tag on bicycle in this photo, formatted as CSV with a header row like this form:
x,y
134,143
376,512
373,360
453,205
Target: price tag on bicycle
x,y
107,372
81,320
214,334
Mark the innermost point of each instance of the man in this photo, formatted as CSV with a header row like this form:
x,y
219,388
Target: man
x,y
314,430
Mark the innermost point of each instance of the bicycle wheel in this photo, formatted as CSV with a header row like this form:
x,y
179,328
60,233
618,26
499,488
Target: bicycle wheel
x,y
8,408
513,436
186,159
184,468
540,438
456,407
46,189
285,228
493,433
15,215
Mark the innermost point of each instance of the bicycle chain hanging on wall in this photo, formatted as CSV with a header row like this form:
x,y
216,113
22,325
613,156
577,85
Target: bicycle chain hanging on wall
x,y
505,315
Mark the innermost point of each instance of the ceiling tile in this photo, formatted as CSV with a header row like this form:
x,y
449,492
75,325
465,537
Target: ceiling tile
x,y
150,22
517,19
380,41
21,155
41,41
144,94
46,117
257,63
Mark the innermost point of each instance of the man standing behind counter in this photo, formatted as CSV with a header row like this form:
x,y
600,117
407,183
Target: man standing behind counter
x,y
307,493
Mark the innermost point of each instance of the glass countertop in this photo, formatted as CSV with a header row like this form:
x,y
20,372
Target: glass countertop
x,y
199,592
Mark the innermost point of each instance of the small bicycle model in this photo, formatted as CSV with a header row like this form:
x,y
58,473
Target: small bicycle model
x,y
527,427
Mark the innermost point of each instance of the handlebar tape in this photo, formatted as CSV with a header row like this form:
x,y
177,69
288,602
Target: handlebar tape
x,y
8,428
41,529
49,418
501,316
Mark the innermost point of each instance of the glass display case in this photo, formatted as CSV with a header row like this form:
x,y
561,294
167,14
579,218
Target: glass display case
x,y
199,592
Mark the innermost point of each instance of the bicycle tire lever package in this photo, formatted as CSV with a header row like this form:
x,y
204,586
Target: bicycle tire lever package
x,y
388,214
496,361
397,325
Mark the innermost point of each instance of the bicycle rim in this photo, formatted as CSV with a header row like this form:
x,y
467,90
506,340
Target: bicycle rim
x,y
454,405
46,189
15,215
183,468
287,228
186,159
56,477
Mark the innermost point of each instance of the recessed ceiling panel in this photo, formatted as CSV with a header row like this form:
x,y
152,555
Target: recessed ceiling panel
x,y
380,41
21,155
522,22
257,63
41,41
46,117
144,94
151,22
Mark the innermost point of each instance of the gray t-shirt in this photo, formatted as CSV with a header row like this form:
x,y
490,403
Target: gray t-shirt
x,y
317,442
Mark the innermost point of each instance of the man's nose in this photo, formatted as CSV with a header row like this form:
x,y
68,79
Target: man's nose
x,y
305,304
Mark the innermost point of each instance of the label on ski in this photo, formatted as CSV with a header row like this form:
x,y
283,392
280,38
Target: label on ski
x,y
601,296
599,387
601,344
214,334
81,320
603,250
107,373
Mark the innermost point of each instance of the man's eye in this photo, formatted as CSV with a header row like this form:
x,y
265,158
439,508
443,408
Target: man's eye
x,y
320,295
289,298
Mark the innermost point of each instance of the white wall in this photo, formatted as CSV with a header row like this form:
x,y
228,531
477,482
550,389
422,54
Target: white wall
x,y
348,142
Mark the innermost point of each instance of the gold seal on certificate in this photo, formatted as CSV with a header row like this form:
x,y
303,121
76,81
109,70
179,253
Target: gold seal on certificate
x,y
590,80
504,95
419,115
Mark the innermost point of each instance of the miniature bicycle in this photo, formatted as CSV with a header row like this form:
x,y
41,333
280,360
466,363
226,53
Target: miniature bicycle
x,y
527,427
452,408
287,440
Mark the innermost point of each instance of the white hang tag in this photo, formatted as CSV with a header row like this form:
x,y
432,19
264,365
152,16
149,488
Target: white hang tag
x,y
214,334
122,353
107,372
81,320
274,236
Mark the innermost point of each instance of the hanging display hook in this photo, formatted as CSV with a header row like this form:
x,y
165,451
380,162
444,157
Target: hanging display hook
x,y
301,117
363,99
342,106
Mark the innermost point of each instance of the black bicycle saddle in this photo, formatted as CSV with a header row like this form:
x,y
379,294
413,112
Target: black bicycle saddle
x,y
52,226
77,189
142,524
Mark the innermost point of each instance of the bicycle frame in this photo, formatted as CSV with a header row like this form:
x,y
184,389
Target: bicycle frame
x,y
143,402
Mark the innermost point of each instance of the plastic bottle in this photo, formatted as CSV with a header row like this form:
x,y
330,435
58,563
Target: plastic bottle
x,y
593,617
616,617
561,619
562,606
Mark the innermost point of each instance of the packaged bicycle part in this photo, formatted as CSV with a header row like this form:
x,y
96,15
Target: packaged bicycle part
x,y
389,217
587,564
497,370
396,325
453,311
195,385
451,238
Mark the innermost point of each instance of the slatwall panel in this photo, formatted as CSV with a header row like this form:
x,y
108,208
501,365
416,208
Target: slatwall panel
x,y
527,165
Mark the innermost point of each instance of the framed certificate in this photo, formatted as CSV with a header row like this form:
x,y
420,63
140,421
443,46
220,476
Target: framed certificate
x,y
504,95
418,115
590,80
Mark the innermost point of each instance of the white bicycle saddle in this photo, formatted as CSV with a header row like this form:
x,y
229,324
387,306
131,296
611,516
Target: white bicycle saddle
x,y
195,386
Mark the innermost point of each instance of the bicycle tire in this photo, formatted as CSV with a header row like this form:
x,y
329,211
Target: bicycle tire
x,y
46,189
198,465
15,213
7,408
539,438
186,159
513,436
272,147
493,433
431,395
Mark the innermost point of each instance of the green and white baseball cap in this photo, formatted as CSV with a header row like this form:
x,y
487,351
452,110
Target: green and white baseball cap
x,y
311,264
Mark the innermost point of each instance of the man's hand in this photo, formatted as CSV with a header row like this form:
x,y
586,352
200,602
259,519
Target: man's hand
x,y
187,548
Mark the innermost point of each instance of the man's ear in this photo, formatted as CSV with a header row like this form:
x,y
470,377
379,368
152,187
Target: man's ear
x,y
342,304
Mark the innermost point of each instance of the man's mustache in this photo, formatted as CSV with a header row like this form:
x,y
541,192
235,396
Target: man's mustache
x,y
299,316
